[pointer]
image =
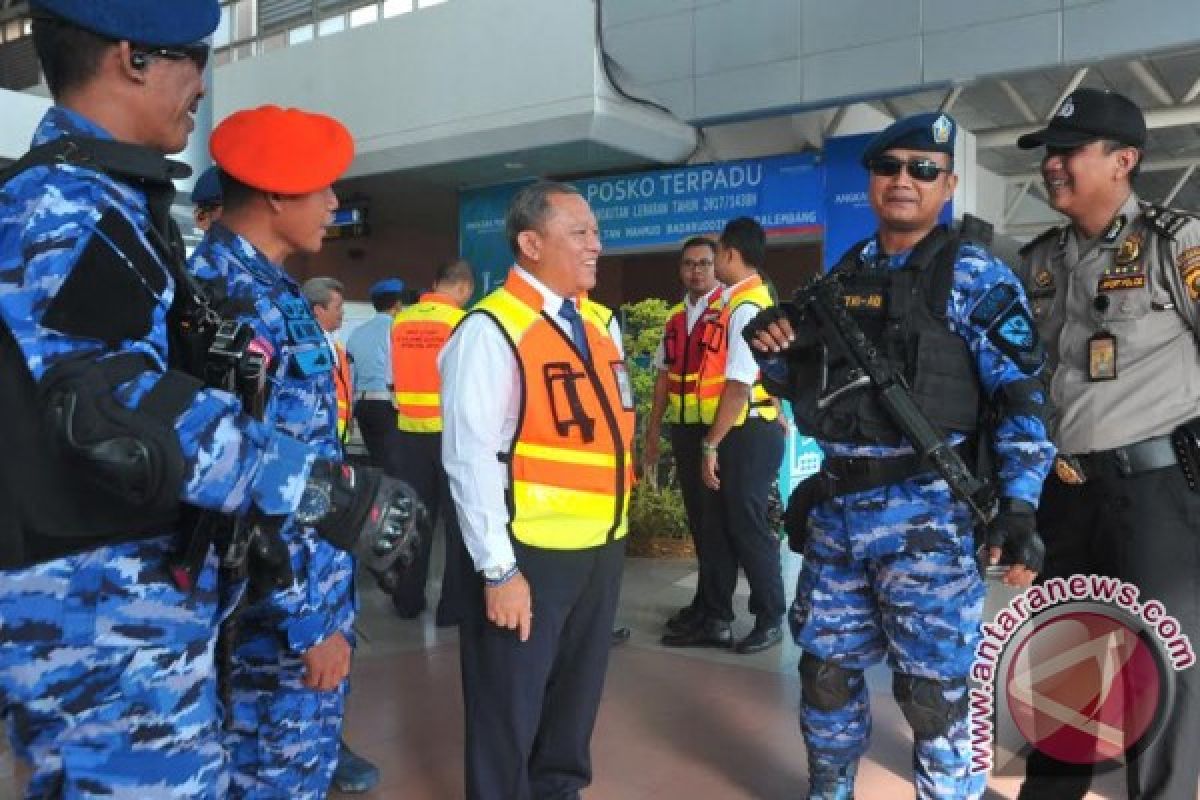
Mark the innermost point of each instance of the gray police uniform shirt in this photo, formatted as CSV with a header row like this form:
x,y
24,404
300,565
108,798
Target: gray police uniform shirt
x,y
1142,288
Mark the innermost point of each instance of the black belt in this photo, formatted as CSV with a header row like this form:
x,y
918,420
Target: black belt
x,y
842,476
1154,453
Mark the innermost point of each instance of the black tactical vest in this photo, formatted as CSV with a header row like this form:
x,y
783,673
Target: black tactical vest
x,y
903,311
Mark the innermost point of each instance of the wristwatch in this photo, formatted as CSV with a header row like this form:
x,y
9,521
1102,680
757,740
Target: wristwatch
x,y
500,573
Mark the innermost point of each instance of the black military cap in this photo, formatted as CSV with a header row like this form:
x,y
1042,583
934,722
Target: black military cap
x,y
1087,115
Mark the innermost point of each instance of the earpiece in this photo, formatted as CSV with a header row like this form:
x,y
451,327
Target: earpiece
x,y
137,60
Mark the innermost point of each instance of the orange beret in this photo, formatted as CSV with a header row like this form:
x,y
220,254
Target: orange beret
x,y
282,150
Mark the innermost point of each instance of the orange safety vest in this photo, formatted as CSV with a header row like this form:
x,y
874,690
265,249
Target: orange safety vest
x,y
683,352
418,334
570,469
345,390
752,291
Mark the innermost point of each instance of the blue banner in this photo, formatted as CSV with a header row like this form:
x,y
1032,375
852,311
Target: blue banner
x,y
662,207
848,214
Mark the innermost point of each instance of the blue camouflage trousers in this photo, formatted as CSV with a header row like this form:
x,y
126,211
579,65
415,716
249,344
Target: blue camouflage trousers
x,y
283,737
106,676
891,572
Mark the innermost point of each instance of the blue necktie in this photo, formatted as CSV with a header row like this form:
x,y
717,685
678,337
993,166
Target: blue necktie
x,y
568,312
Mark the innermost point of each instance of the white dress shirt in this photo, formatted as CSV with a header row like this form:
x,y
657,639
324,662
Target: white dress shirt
x,y
481,399
740,365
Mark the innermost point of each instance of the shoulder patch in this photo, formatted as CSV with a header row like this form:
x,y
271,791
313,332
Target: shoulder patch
x,y
1188,263
1015,335
994,303
1042,237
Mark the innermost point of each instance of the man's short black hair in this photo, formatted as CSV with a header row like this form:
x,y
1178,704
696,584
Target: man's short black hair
x,y
386,301
234,193
70,56
450,273
699,241
746,236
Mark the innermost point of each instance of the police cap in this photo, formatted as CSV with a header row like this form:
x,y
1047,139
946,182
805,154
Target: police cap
x,y
931,132
387,286
1087,115
283,150
162,22
207,191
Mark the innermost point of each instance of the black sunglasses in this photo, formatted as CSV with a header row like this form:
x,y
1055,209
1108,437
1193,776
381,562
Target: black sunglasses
x,y
920,169
196,53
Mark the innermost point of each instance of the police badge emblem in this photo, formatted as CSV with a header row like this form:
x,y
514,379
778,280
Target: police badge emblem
x,y
1066,109
941,129
1130,249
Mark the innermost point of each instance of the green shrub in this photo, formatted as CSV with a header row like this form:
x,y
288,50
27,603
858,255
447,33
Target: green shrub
x,y
656,509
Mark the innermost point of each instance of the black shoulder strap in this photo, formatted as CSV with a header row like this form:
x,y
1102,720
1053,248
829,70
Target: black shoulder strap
x,y
849,258
1166,222
976,230
128,161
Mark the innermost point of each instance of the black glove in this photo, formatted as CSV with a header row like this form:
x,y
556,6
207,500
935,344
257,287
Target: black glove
x,y
362,511
1014,530
783,311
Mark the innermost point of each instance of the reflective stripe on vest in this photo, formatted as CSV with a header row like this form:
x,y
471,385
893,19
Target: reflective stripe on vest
x,y
418,334
716,356
345,390
569,468
684,352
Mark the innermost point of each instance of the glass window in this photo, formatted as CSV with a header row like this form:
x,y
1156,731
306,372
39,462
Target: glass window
x,y
12,31
27,27
244,19
332,25
300,34
364,16
393,7
428,3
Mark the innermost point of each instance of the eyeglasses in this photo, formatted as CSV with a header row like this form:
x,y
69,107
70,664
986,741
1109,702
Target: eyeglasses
x,y
697,264
925,170
196,53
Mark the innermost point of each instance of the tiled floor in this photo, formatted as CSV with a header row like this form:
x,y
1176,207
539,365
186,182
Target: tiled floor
x,y
691,724
674,725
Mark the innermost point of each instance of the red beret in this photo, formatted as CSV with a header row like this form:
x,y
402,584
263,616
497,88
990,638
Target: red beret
x,y
282,150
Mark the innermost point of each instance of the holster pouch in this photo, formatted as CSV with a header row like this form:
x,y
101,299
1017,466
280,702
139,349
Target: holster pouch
x,y
807,494
1186,441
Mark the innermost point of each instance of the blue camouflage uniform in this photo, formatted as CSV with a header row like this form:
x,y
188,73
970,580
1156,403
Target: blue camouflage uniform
x,y
283,739
106,668
891,571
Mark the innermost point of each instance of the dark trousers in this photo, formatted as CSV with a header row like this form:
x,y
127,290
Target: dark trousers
x,y
1144,530
685,443
734,528
531,706
421,468
377,422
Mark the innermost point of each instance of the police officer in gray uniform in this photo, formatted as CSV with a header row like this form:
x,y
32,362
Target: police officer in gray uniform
x,y
1116,297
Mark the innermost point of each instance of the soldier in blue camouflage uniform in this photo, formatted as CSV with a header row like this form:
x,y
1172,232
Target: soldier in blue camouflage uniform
x,y
293,645
106,675
889,568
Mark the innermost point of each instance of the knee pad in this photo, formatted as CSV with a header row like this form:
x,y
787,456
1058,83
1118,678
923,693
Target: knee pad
x,y
924,703
827,685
